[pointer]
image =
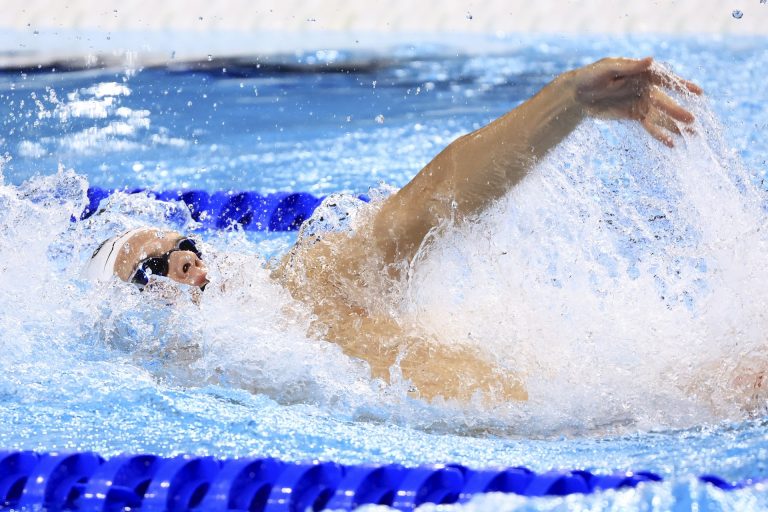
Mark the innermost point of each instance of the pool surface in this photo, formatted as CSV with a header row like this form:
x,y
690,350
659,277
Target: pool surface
x,y
624,280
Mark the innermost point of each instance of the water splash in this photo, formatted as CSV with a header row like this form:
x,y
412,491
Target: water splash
x,y
621,280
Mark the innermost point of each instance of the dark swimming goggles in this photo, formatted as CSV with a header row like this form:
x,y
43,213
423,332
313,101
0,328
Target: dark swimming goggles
x,y
159,265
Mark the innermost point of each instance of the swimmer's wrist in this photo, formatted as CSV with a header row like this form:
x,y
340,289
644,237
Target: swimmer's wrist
x,y
566,88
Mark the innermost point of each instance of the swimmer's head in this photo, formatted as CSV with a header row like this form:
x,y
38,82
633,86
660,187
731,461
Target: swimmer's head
x,y
139,254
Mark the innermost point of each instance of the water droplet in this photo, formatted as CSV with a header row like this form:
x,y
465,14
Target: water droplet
x,y
210,57
380,119
737,14
200,18
469,15
764,1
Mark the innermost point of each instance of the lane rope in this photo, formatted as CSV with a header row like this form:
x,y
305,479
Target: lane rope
x,y
251,211
85,481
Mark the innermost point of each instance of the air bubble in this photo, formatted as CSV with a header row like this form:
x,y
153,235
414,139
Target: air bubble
x,y
210,57
737,14
380,119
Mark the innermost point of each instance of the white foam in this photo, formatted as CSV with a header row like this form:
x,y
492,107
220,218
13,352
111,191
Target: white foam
x,y
623,281
615,305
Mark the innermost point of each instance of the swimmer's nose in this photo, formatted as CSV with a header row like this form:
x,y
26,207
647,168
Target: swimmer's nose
x,y
199,273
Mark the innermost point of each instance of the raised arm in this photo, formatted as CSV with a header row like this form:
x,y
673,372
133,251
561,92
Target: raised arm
x,y
480,167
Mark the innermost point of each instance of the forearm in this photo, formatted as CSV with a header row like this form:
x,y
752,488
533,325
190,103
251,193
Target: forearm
x,y
451,371
476,169
458,373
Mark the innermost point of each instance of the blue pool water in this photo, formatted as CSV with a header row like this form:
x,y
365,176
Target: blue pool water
x,y
630,292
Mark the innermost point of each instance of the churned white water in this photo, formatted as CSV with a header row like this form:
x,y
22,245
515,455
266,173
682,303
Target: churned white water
x,y
625,281
621,280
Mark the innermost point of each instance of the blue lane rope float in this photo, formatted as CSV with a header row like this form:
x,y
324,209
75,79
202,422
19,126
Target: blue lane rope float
x,y
85,481
251,211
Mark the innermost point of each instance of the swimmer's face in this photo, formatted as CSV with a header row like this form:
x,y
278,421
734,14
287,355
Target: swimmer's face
x,y
186,268
150,251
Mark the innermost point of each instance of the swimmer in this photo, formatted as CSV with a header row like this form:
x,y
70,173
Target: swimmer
x,y
345,278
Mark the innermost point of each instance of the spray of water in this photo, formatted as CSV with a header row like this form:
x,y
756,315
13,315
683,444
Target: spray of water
x,y
622,281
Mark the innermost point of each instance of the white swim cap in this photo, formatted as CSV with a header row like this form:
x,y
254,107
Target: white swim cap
x,y
101,266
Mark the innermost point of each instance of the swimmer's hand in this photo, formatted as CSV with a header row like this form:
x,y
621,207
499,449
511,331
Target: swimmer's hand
x,y
619,88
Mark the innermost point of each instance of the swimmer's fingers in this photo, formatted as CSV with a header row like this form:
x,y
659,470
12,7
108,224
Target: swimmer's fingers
x,y
668,80
659,118
660,100
662,126
657,132
663,115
